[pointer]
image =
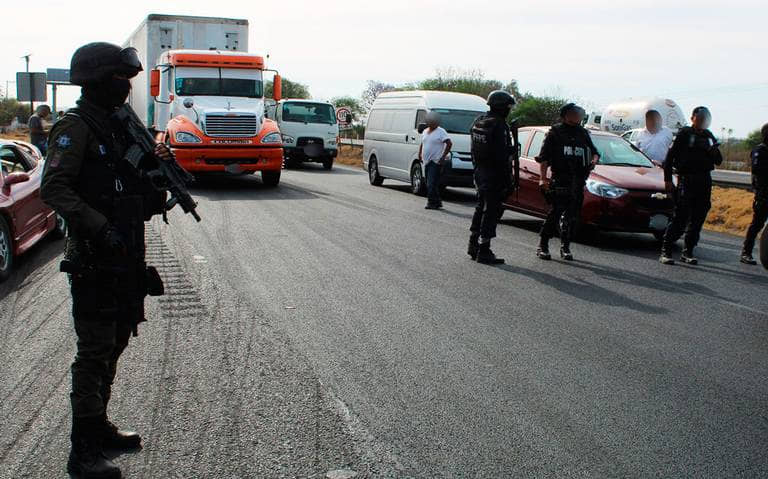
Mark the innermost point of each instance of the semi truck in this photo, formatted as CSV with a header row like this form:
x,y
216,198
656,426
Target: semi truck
x,y
203,95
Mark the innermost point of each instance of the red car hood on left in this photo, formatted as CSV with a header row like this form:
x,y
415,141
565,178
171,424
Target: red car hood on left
x,y
630,177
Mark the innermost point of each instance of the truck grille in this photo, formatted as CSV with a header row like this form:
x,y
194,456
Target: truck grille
x,y
304,141
230,125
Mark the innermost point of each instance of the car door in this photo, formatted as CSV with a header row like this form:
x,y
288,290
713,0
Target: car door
x,y
531,198
27,207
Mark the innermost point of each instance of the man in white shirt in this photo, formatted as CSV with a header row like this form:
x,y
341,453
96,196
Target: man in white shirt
x,y
434,149
656,138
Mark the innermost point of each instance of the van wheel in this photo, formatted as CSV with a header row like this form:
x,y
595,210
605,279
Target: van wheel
x,y
60,231
373,173
270,178
328,163
418,186
6,250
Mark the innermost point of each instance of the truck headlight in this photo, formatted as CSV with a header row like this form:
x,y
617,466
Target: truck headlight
x,y
184,137
272,138
604,190
288,139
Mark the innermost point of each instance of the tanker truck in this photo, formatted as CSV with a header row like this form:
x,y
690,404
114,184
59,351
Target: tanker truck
x,y
202,93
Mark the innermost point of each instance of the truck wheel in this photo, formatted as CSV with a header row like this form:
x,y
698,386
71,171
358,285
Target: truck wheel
x,y
60,231
418,186
328,163
6,250
373,172
270,178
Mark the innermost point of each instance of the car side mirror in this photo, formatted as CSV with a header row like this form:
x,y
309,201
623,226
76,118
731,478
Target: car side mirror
x,y
188,103
14,178
421,128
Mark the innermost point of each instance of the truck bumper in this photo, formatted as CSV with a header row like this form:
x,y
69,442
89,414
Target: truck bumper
x,y
300,154
230,160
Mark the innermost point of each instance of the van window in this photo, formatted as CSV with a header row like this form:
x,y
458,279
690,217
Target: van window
x,y
535,148
522,138
457,121
421,117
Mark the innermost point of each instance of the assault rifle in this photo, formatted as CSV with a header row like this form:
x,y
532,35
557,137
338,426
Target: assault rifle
x,y
166,175
514,128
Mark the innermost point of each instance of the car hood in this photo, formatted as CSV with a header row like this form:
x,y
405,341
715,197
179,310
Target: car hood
x,y
629,177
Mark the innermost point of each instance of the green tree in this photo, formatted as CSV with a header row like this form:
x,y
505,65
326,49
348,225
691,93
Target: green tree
x,y
372,90
463,81
534,110
291,89
753,139
354,105
11,108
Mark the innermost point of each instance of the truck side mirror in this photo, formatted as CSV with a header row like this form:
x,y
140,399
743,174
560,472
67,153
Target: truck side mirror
x,y
189,103
422,127
277,88
154,82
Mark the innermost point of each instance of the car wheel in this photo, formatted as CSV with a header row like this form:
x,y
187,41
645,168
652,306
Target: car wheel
x,y
373,173
270,178
328,163
60,231
417,180
6,250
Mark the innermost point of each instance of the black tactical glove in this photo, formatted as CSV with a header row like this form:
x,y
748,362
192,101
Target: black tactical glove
x,y
112,241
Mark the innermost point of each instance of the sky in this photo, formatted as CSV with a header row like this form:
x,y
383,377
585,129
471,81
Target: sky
x,y
592,51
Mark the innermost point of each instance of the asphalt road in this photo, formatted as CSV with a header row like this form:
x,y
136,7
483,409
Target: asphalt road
x,y
331,325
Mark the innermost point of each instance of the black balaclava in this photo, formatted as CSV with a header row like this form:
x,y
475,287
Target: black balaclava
x,y
108,94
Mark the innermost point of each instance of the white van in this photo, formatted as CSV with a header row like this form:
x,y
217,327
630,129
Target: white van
x,y
392,139
310,131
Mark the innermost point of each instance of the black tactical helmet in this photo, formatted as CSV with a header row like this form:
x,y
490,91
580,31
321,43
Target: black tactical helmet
x,y
500,99
98,61
569,107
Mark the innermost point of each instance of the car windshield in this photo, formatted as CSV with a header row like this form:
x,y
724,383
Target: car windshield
x,y
616,151
457,121
301,112
241,87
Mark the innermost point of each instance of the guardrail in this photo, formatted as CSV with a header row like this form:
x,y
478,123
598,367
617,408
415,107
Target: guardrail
x,y
732,179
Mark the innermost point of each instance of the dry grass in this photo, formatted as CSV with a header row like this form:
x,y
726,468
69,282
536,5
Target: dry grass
x,y
350,155
731,210
22,135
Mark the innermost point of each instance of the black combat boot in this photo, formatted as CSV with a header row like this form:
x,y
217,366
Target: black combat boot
x,y
687,257
473,245
565,252
747,258
115,439
543,251
486,256
86,459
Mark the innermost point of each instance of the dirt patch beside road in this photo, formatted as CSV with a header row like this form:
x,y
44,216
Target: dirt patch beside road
x,y
731,210
350,155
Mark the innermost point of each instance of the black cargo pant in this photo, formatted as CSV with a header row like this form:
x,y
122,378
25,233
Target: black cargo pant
x,y
694,196
103,324
565,211
490,198
760,212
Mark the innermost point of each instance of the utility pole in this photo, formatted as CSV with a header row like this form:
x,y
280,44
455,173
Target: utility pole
x,y
31,86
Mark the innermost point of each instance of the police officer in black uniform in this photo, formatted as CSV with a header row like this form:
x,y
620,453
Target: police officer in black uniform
x,y
693,154
760,205
491,150
105,202
568,150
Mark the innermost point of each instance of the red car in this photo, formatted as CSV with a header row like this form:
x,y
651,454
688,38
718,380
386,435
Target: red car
x,y
24,218
625,191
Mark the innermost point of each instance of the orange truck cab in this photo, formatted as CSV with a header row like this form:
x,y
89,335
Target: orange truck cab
x,y
209,108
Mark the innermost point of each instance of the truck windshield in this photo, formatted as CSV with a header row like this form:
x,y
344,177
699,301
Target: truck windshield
x,y
618,152
302,112
242,87
457,121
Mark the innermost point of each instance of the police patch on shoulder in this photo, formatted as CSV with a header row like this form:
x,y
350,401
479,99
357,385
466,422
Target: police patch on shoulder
x,y
64,141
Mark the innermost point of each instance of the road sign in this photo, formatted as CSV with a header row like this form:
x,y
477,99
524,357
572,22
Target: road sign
x,y
30,86
58,75
342,115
